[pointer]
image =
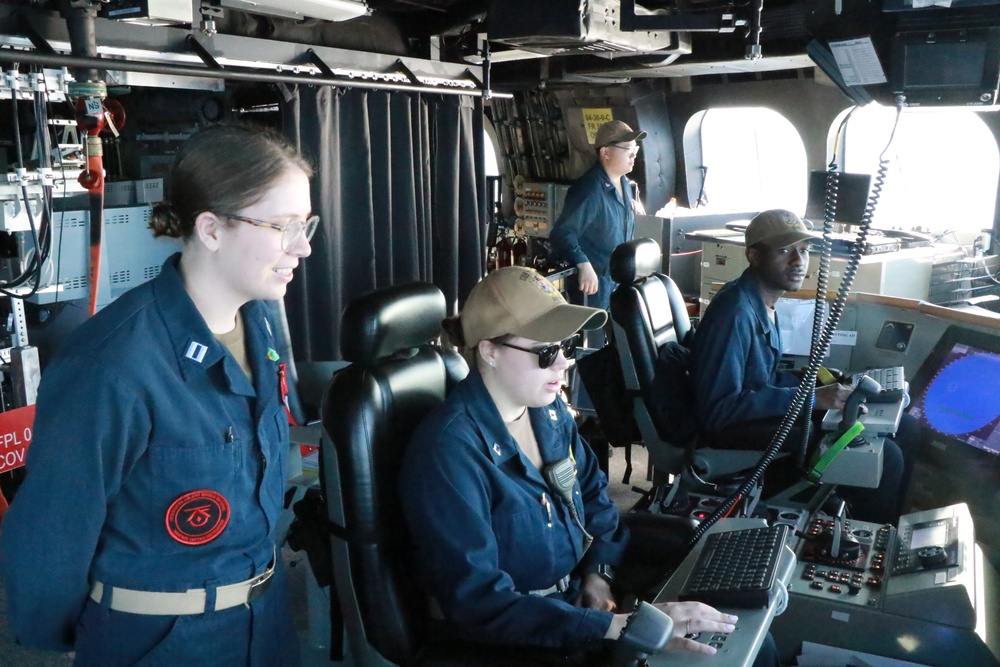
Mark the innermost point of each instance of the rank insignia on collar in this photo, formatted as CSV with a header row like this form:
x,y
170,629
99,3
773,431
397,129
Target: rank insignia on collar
x,y
196,352
553,415
272,355
496,448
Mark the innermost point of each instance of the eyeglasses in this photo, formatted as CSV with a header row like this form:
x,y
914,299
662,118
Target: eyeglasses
x,y
548,354
290,233
632,150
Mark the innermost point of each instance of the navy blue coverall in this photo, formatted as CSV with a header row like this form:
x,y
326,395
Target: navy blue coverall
x,y
740,395
594,221
488,531
141,409
735,357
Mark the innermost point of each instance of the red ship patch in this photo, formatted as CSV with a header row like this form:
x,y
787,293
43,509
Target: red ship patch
x,y
197,517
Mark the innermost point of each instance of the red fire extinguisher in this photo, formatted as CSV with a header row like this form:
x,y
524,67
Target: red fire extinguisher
x,y
519,251
504,254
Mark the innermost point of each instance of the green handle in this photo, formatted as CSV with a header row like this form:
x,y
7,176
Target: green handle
x,y
824,462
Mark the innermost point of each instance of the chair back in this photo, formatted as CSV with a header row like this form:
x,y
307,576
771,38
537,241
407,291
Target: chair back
x,y
397,374
648,313
652,330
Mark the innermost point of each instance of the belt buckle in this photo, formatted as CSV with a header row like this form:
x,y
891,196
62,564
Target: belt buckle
x,y
259,586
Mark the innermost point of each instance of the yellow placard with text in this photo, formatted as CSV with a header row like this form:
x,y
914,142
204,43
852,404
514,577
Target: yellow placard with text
x,y
593,119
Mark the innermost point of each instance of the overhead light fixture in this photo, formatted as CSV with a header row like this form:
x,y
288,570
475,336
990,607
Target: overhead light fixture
x,y
327,10
149,12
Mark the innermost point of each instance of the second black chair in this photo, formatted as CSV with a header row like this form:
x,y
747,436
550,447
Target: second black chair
x,y
651,329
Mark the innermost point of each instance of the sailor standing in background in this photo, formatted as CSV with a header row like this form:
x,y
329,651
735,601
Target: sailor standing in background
x,y
599,213
145,530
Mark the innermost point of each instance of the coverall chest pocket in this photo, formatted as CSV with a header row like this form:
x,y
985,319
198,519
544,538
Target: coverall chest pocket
x,y
193,488
526,545
274,444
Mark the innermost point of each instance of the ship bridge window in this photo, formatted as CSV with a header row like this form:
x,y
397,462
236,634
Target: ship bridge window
x,y
942,169
490,152
744,159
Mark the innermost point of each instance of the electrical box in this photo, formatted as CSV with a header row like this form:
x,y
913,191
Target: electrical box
x,y
538,206
130,255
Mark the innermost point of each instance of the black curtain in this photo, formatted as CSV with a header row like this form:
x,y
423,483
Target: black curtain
x,y
400,188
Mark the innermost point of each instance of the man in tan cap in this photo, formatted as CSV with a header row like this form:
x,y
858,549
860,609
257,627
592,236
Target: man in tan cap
x,y
599,213
740,395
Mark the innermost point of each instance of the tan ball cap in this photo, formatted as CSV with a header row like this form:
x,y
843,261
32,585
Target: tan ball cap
x,y
517,300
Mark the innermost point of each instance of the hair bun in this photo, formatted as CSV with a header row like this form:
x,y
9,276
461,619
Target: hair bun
x,y
164,221
453,327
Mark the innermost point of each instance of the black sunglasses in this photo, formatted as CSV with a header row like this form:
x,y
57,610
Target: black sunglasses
x,y
548,354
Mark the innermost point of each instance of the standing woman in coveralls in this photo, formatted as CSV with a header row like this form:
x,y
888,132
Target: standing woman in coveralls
x,y
144,532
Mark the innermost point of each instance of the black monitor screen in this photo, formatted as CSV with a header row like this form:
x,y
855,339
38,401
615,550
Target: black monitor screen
x,y
944,64
957,391
852,196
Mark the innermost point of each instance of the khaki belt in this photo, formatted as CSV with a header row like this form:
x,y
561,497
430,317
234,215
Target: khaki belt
x,y
191,601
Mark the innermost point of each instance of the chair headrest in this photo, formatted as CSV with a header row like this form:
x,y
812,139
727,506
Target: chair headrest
x,y
634,260
386,321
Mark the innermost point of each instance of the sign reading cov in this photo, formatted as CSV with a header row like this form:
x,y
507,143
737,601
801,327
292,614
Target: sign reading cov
x,y
15,436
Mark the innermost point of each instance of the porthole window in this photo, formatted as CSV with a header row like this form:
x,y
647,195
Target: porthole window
x,y
744,159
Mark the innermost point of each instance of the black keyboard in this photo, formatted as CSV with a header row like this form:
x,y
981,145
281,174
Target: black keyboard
x,y
891,380
736,568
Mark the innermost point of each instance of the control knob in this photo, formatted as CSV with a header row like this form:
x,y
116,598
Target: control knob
x,y
932,556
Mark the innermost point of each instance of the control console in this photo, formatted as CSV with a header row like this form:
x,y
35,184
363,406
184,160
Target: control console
x,y
843,560
739,647
927,545
923,592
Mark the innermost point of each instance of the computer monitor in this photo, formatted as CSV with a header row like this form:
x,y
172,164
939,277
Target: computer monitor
x,y
938,65
852,197
956,393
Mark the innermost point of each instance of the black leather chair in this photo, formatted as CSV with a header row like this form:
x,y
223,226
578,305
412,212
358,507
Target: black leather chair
x,y
397,375
371,408
651,328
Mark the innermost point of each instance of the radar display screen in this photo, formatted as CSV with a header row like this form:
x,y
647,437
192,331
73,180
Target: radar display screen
x,y
957,391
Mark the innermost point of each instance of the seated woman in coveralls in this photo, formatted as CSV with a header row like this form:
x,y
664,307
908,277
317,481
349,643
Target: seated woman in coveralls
x,y
144,532
504,558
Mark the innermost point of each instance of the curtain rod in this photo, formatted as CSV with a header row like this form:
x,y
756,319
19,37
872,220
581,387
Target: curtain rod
x,y
8,55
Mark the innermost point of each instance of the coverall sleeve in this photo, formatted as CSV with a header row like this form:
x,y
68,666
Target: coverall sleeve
x,y
578,213
87,428
727,352
602,522
447,505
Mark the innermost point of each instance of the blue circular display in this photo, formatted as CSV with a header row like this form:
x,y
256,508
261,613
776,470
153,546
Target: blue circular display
x,y
965,395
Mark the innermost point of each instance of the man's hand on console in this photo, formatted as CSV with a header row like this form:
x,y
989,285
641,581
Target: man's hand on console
x,y
832,397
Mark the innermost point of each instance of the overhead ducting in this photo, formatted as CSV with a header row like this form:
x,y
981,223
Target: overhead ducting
x,y
326,10
180,12
564,27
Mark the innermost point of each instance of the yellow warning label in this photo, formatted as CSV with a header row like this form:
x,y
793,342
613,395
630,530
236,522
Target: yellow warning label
x,y
593,119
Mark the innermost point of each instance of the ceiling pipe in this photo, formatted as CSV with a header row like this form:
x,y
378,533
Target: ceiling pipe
x,y
76,62
80,15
